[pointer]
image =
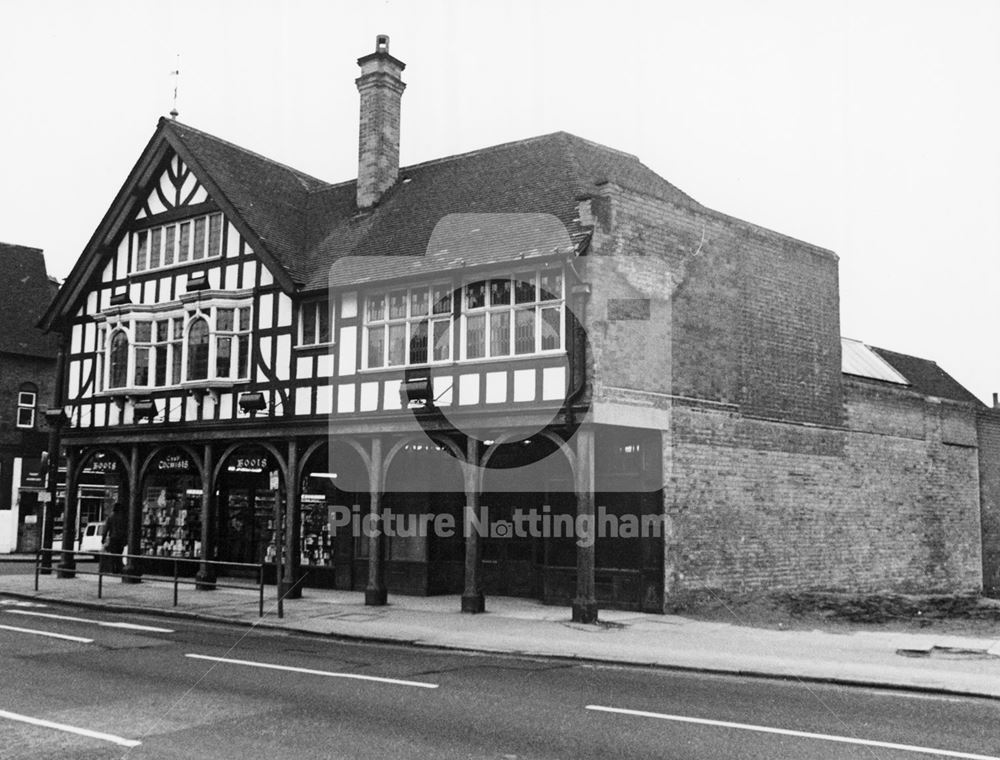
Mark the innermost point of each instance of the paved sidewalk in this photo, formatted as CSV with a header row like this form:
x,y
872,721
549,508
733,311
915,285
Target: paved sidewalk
x,y
521,626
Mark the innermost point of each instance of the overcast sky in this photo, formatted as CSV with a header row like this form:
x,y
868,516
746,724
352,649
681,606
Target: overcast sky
x,y
870,127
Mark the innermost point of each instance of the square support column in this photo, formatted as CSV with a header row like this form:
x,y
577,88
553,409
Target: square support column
x,y
585,603
67,565
473,600
375,592
132,573
205,577
291,588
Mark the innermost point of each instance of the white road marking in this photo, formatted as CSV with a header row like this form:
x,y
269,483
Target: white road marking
x,y
46,633
70,729
801,734
17,603
129,626
308,671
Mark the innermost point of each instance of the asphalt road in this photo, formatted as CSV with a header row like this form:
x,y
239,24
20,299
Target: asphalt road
x,y
197,690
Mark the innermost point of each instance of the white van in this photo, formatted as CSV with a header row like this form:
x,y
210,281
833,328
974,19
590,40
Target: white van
x,y
91,538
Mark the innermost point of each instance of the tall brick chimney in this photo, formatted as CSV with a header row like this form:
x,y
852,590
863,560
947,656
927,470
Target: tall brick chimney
x,y
381,89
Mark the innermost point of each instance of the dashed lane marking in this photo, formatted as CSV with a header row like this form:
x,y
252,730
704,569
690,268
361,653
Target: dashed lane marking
x,y
309,671
800,734
46,633
128,626
70,729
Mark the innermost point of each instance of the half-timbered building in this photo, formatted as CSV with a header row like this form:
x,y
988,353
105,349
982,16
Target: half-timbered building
x,y
545,328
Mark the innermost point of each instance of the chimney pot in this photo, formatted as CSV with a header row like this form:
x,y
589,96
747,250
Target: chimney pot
x,y
996,400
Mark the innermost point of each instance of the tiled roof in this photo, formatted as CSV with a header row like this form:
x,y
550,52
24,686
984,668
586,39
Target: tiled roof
x,y
29,292
927,377
307,224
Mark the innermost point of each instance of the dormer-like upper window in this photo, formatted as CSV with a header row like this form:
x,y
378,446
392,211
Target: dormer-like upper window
x,y
177,243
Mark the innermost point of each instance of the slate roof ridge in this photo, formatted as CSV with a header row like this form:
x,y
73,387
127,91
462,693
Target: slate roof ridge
x,y
303,178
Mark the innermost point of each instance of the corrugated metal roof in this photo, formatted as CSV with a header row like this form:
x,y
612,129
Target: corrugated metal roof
x,y
858,359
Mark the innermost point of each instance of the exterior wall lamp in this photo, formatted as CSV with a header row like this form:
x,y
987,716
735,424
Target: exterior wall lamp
x,y
252,402
144,409
416,390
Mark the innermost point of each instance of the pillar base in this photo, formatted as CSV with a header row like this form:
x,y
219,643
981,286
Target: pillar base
x,y
376,597
473,603
66,570
204,580
131,576
584,611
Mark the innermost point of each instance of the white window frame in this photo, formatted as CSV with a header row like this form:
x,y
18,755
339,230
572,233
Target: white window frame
x,y
316,306
209,312
208,251
488,310
25,406
409,320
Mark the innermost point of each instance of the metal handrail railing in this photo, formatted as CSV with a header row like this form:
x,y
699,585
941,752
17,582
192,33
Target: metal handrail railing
x,y
177,580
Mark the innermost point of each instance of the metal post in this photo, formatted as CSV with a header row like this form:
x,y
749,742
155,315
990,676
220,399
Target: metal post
x,y
55,432
176,576
100,577
260,609
278,552
38,564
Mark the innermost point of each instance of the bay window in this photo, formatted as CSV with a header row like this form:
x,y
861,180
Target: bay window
x,y
160,351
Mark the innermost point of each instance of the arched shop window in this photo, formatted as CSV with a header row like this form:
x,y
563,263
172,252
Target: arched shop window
x,y
27,398
197,367
118,360
171,507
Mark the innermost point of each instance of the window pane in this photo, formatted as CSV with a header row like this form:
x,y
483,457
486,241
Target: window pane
x,y
154,247
140,251
161,367
475,336
376,346
244,319
442,299
550,286
242,356
25,418
26,398
418,342
309,323
162,330
168,245
223,351
376,308
119,360
442,340
499,292
524,288
499,333
475,294
524,331
397,304
214,234
176,352
199,239
224,320
197,368
418,303
143,332
397,345
323,312
185,242
141,366
551,328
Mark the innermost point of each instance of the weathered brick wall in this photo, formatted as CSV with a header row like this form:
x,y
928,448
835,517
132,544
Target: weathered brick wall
x,y
15,441
886,503
738,314
988,423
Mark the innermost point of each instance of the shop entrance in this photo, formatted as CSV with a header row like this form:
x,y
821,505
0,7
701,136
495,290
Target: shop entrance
x,y
250,503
